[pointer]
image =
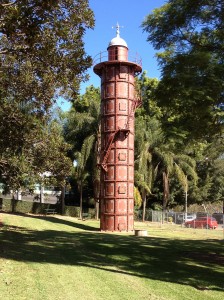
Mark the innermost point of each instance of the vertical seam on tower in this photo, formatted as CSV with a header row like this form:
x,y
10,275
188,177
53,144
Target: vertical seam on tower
x,y
115,149
128,137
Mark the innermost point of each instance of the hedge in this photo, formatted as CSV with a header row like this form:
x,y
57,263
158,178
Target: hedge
x,y
19,206
9,205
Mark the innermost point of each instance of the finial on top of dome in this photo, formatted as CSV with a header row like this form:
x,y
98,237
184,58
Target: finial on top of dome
x,y
118,29
118,40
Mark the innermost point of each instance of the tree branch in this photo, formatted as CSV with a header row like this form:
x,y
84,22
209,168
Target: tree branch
x,y
8,4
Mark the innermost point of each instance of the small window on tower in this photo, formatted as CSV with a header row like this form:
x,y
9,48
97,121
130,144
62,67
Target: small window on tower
x,y
123,72
116,53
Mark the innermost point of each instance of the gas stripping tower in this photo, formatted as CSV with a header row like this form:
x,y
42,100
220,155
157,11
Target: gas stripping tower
x,y
119,101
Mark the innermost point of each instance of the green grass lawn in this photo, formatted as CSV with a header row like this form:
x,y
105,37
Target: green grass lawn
x,y
65,258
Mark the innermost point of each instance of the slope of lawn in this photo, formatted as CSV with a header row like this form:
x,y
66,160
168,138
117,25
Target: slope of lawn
x,y
65,258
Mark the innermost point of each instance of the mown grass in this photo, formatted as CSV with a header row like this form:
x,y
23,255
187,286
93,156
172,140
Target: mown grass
x,y
65,258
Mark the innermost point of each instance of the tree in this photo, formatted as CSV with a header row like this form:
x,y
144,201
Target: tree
x,y
51,156
137,197
82,131
83,118
210,168
42,50
190,34
147,133
41,57
160,159
145,170
81,173
48,155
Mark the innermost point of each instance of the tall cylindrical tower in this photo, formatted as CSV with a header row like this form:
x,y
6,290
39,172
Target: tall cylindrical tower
x,y
118,104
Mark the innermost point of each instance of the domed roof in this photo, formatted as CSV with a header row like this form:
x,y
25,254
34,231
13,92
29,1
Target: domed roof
x,y
118,41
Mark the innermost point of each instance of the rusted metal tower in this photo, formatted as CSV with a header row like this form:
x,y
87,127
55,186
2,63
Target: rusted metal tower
x,y
118,104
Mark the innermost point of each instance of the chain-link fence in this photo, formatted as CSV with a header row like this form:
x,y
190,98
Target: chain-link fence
x,y
193,220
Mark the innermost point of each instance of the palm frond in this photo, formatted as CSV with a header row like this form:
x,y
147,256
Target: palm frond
x,y
182,178
86,148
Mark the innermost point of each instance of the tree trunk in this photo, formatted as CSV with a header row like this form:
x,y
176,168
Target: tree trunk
x,y
165,190
41,194
13,203
96,191
80,212
97,205
144,207
63,200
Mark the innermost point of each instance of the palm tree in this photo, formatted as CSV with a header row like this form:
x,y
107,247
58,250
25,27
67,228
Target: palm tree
x,y
158,158
170,164
82,131
145,175
145,171
81,173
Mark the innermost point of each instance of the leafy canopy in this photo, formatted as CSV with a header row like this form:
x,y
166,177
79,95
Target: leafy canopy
x,y
42,57
190,36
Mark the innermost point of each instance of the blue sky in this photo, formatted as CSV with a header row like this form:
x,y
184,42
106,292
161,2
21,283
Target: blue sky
x,y
129,14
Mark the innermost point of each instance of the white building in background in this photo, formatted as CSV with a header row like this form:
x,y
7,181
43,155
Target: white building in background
x,y
45,194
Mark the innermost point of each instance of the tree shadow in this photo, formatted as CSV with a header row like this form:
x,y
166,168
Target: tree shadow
x,y
55,220
74,224
185,262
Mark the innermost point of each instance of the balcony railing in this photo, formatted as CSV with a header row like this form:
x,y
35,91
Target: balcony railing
x,y
103,56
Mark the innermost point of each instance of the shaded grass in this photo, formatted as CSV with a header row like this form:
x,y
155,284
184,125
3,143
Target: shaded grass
x,y
64,258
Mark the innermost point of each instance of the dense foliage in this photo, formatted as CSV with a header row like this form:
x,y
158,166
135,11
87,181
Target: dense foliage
x,y
190,36
82,131
166,167
41,58
179,128
189,97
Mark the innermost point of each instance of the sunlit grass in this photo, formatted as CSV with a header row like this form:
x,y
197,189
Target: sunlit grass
x,y
65,258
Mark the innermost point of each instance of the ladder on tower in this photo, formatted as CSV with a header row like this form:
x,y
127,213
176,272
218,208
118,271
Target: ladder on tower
x,y
125,130
107,149
135,104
